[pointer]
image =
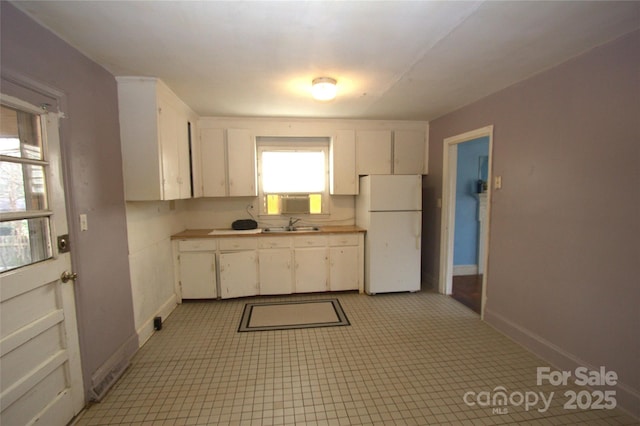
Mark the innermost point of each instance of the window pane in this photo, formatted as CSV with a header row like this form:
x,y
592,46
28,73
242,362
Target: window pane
x,y
23,242
22,187
20,134
293,172
273,204
315,203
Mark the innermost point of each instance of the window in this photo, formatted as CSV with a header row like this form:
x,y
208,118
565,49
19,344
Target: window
x,y
293,175
25,235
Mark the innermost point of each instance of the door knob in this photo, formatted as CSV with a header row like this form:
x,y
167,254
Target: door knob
x,y
67,276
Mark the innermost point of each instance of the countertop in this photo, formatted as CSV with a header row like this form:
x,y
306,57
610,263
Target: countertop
x,y
225,233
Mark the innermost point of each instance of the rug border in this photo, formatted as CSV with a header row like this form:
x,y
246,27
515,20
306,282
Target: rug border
x,y
343,320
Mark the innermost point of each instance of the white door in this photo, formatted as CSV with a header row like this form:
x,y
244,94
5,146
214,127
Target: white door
x,y
394,252
40,373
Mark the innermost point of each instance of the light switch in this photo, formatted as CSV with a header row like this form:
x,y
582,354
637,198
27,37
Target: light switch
x,y
84,225
497,182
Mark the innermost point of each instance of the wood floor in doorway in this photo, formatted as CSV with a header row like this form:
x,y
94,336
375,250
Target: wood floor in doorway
x,y
467,289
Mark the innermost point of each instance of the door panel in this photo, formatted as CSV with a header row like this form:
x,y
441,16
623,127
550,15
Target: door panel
x,y
275,271
40,378
311,269
198,275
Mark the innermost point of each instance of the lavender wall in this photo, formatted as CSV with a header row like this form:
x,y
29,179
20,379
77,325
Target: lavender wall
x,y
565,227
90,139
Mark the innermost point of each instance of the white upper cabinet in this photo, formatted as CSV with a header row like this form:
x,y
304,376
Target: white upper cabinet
x,y
373,152
241,155
154,134
343,175
408,152
385,152
228,163
213,163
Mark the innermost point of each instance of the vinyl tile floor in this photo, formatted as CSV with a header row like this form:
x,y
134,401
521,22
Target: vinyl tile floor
x,y
406,359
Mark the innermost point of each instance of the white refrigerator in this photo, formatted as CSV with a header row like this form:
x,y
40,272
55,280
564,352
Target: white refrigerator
x,y
389,207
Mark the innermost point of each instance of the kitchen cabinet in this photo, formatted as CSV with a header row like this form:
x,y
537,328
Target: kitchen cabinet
x,y
241,155
373,152
345,254
197,269
238,274
275,273
269,264
408,152
384,152
238,264
342,164
154,135
274,265
228,163
311,269
311,261
213,163
198,275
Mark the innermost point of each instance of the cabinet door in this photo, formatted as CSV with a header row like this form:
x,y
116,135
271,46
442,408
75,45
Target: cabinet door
x,y
241,154
275,271
213,163
373,152
198,275
238,274
311,269
169,153
344,178
343,268
408,152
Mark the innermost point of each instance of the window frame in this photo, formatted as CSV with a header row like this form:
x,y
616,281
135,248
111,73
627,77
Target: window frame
x,y
44,162
293,144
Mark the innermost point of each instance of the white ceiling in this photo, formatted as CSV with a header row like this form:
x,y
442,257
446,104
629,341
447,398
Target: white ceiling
x,y
414,60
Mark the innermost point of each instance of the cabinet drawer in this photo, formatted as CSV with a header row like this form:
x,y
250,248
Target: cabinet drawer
x,y
274,242
197,245
343,240
238,243
310,241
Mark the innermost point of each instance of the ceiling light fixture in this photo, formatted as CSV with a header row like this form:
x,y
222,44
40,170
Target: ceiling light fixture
x,y
323,88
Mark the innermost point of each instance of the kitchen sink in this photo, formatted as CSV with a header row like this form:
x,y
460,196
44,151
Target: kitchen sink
x,y
292,229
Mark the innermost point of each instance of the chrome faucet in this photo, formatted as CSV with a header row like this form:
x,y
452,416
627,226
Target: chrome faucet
x,y
292,222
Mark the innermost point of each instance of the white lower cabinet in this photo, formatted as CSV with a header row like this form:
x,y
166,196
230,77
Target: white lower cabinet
x,y
275,273
343,268
198,275
197,269
269,265
311,269
238,274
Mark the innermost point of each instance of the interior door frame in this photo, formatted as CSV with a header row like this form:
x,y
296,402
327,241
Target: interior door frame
x,y
449,171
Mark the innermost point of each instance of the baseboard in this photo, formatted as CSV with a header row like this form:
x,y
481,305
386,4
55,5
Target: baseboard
x,y
465,270
108,373
145,331
628,399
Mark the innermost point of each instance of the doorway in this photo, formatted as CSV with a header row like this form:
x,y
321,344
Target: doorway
x,y
464,247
